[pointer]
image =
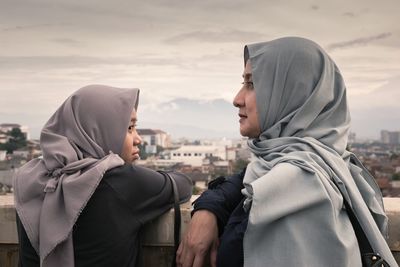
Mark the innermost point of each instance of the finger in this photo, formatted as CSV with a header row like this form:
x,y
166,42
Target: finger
x,y
187,257
213,256
179,253
198,260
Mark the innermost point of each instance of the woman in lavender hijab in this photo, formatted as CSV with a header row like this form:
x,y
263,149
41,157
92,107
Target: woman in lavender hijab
x,y
284,209
84,202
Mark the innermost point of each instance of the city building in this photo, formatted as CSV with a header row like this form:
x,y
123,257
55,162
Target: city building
x,y
216,167
3,155
194,155
390,137
4,137
152,138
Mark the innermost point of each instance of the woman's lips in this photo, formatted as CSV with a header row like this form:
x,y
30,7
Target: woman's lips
x,y
242,117
136,154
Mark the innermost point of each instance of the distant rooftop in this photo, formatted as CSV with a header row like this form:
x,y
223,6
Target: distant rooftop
x,y
150,131
7,125
200,148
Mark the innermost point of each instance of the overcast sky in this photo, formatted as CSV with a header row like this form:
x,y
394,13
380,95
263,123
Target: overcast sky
x,y
188,48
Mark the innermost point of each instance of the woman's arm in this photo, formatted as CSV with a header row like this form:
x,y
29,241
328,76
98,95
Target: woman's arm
x,y
147,193
222,197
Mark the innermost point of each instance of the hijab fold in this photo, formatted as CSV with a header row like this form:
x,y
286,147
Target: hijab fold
x,y
80,142
304,121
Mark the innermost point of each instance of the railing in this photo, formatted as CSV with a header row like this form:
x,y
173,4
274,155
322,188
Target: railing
x,y
158,235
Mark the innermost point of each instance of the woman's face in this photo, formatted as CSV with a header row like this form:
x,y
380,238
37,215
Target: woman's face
x,y
245,100
130,150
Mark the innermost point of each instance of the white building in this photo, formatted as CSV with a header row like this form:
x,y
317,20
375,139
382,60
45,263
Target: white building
x,y
3,155
4,138
154,138
397,169
158,163
390,137
395,184
194,155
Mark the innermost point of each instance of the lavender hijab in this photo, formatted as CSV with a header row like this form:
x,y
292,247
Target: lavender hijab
x,y
296,212
80,142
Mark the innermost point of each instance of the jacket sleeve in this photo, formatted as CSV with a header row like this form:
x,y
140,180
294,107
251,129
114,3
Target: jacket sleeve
x,y
146,192
221,198
27,254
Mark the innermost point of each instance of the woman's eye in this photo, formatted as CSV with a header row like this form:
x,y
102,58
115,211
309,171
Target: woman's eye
x,y
248,84
132,127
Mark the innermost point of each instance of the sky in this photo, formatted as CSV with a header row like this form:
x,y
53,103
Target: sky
x,y
188,49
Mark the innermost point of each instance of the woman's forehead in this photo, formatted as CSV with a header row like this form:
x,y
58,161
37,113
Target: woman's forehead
x,y
247,73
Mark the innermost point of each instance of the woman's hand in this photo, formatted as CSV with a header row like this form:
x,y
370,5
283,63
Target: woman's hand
x,y
200,238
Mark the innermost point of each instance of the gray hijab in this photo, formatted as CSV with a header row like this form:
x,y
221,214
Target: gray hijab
x,y
304,121
80,142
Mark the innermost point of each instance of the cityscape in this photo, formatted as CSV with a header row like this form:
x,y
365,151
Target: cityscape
x,y
203,159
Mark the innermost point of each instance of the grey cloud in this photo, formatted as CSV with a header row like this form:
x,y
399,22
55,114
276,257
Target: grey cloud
x,y
66,41
386,95
28,27
349,14
214,36
9,62
358,41
35,63
314,7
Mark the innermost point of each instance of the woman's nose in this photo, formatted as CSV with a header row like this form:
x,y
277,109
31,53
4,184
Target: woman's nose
x,y
137,140
238,101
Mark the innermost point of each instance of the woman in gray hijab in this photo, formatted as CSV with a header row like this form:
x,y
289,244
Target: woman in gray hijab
x,y
284,209
84,202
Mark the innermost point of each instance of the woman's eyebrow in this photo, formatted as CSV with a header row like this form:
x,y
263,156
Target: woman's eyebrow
x,y
133,120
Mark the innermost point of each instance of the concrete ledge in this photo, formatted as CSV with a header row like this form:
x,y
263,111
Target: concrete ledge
x,y
157,238
392,208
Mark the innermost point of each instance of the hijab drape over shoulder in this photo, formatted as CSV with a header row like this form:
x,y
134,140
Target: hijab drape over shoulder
x,y
296,212
80,142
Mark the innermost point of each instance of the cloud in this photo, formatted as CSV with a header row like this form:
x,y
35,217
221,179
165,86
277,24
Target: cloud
x,y
9,62
349,14
314,7
215,115
226,36
66,41
29,27
385,96
359,41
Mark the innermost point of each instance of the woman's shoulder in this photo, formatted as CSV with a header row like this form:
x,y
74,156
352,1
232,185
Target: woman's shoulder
x,y
119,170
285,179
128,176
129,170
288,171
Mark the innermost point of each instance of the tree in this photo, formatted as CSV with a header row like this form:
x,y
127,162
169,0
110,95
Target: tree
x,y
17,140
142,151
18,136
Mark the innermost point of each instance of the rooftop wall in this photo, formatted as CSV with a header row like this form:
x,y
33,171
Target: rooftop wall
x,y
158,235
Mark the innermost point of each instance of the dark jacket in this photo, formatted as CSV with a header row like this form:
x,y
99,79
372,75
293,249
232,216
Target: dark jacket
x,y
106,233
225,200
